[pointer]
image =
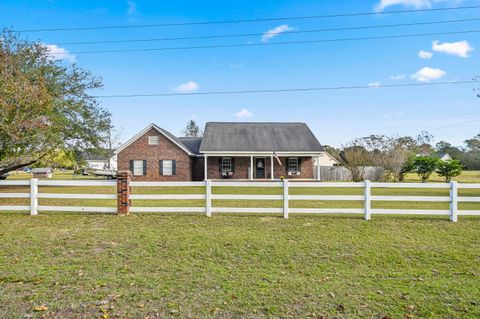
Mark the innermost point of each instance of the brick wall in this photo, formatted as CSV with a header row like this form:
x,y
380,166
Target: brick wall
x,y
242,165
165,150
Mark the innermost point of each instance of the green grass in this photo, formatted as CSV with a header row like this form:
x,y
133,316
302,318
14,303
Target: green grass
x,y
190,266
233,266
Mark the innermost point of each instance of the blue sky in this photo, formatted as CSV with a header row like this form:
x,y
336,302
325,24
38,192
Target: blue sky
x,y
336,117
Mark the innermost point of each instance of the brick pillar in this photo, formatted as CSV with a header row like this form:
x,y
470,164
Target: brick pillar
x,y
123,192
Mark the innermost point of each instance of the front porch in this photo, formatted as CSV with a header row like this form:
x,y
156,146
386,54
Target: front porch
x,y
255,166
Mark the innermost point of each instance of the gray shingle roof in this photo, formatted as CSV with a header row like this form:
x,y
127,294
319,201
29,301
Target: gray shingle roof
x,y
192,143
267,137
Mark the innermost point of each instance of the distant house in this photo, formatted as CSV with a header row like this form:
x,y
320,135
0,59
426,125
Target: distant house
x,y
42,172
444,157
326,160
99,159
227,150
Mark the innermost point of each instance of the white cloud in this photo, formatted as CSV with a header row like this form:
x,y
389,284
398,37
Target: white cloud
x,y
425,54
187,87
427,74
270,34
415,4
460,48
243,113
131,7
398,77
57,53
375,85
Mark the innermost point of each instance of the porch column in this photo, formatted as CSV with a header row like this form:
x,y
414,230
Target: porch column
x,y
205,167
318,168
271,166
251,168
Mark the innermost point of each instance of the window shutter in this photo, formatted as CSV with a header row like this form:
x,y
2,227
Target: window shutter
x,y
174,167
144,167
220,164
233,164
300,164
160,165
287,159
131,166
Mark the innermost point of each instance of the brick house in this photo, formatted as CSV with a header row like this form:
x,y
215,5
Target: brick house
x,y
226,151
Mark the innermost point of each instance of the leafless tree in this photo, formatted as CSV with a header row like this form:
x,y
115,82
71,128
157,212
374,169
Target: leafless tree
x,y
355,158
192,129
390,153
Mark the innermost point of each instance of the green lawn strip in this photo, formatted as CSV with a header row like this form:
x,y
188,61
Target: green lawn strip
x,y
230,266
465,177
245,203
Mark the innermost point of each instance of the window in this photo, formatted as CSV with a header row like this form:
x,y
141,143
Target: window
x,y
293,165
153,140
226,164
137,168
167,168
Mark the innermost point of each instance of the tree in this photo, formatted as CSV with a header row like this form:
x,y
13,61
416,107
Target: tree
x,y
447,148
473,144
424,143
449,169
44,105
407,168
58,159
389,153
424,166
334,152
111,142
355,158
192,129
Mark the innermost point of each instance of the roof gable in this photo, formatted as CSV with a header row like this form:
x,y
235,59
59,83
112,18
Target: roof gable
x,y
268,137
163,132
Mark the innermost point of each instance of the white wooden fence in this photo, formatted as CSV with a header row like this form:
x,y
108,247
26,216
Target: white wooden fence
x,y
367,198
34,195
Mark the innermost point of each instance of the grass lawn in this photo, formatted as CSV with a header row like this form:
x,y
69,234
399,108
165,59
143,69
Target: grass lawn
x,y
189,266
63,265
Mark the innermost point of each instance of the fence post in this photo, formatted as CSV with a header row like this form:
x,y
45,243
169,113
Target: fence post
x,y
285,198
453,201
33,196
123,193
368,206
208,197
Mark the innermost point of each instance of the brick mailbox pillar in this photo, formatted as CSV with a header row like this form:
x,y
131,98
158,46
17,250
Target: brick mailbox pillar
x,y
123,192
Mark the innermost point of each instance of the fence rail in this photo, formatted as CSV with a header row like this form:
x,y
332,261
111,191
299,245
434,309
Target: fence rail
x,y
284,196
35,195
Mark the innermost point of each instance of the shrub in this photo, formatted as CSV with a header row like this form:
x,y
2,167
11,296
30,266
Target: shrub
x,y
449,169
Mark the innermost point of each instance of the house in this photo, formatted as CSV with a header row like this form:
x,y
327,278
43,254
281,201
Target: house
x,y
444,157
226,150
42,172
99,159
326,160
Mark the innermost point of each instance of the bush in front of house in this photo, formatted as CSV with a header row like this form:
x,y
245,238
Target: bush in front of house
x,y
424,166
449,169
